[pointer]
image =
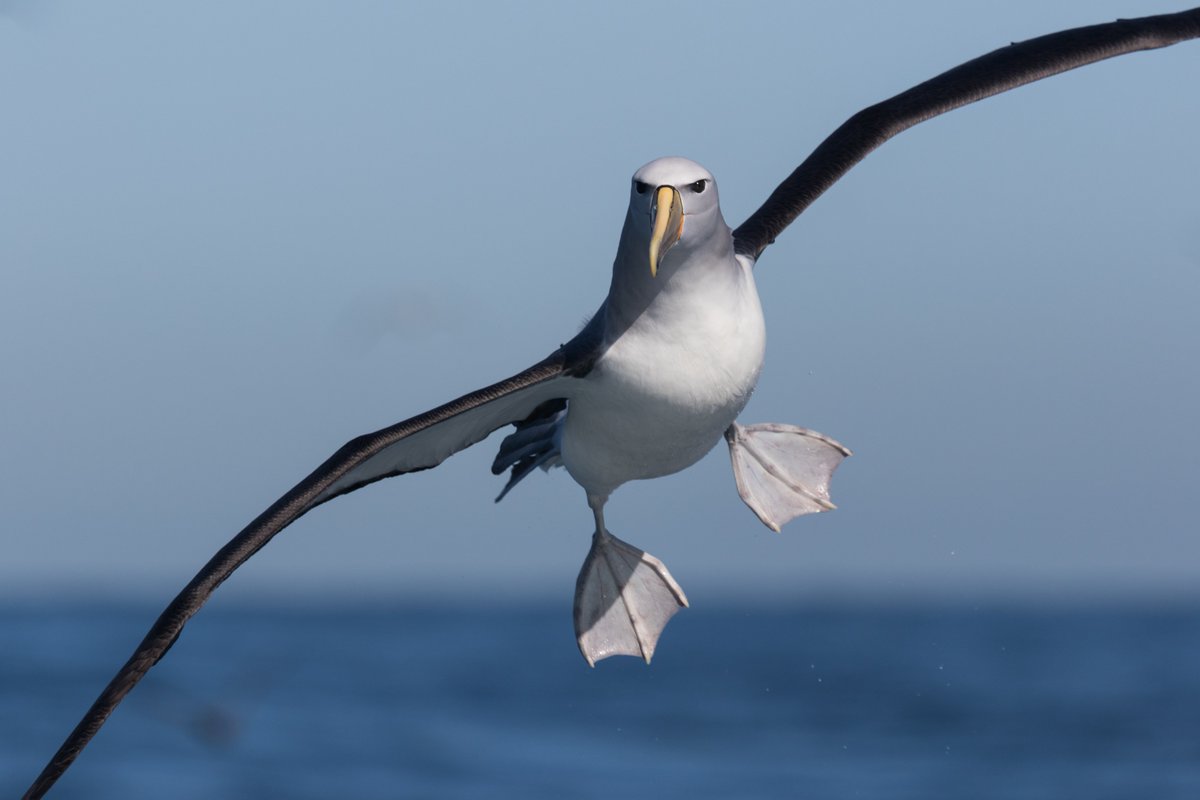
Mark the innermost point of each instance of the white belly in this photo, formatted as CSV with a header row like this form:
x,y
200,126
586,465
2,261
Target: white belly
x,y
663,394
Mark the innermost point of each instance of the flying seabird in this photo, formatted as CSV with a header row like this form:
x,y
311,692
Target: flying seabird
x,y
654,380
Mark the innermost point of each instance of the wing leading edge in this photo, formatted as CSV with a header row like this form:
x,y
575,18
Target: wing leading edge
x,y
417,443
996,72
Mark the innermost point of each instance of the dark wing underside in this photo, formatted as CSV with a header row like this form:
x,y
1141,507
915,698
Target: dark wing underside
x,y
996,72
418,443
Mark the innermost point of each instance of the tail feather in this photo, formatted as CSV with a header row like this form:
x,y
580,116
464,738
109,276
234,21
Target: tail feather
x,y
536,442
545,460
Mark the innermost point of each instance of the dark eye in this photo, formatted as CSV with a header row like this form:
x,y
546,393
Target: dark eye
x,y
640,187
698,186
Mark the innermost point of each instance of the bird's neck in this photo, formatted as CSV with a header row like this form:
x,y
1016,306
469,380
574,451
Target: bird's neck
x,y
697,267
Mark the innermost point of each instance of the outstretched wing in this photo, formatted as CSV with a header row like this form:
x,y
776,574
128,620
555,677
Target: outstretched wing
x,y
418,443
996,72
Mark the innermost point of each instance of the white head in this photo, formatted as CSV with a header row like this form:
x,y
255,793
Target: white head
x,y
673,205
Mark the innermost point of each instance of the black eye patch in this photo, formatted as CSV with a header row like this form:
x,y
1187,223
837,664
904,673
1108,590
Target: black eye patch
x,y
698,186
640,188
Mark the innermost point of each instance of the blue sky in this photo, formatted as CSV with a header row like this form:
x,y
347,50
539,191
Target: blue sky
x,y
234,235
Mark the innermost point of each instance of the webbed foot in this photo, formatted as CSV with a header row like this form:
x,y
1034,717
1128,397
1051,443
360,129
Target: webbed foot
x,y
623,599
783,471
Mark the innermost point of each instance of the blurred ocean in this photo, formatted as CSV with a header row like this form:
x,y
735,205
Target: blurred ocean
x,y
832,701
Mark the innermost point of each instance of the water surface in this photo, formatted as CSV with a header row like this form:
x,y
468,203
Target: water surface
x,y
825,701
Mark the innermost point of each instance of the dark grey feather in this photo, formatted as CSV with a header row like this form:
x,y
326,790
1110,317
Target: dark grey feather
x,y
574,358
996,72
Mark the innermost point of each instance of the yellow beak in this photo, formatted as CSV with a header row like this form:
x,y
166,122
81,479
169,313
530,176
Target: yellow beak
x,y
668,224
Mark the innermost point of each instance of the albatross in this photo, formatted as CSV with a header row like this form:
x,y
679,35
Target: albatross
x,y
654,381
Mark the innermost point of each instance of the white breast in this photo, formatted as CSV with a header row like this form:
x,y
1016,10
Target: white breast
x,y
664,391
